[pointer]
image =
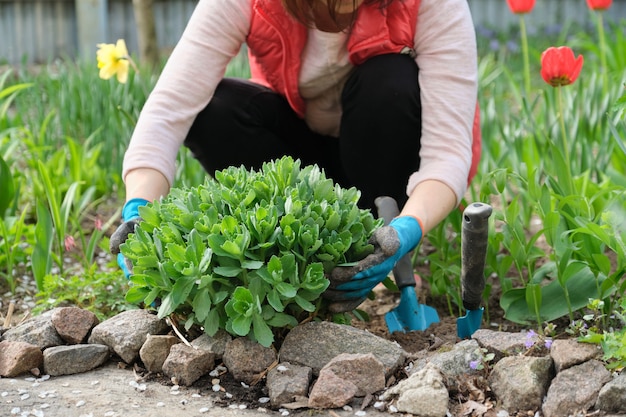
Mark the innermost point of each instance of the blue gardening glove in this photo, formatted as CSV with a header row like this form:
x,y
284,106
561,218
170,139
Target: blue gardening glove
x,y
130,217
349,286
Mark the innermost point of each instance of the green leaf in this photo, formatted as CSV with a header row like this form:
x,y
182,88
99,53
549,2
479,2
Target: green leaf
x,y
202,305
554,304
262,332
7,186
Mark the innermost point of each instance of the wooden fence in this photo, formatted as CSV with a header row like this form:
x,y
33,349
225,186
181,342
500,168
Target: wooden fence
x,y
36,31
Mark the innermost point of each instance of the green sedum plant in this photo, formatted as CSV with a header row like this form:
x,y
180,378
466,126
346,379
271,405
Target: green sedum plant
x,y
247,251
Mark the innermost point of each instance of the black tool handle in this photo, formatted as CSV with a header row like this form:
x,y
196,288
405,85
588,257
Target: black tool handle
x,y
474,240
403,271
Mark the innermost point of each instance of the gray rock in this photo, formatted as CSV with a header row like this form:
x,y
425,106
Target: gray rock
x,y
501,344
246,360
155,350
216,343
38,331
575,389
73,324
521,382
569,352
314,344
125,333
18,357
74,359
363,370
612,397
286,383
186,364
454,362
423,394
331,391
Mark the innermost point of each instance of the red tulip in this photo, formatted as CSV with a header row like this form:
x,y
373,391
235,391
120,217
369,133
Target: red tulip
x,y
559,66
521,6
599,4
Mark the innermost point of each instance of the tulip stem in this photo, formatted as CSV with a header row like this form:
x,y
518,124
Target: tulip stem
x,y
522,27
566,154
601,36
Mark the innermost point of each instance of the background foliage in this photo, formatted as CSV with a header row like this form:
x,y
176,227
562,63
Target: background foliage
x,y
556,241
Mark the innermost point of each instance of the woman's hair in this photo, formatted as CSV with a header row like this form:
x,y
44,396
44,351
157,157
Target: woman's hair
x,y
302,9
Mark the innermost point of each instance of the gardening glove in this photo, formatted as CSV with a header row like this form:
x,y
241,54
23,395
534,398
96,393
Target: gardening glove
x,y
349,286
130,216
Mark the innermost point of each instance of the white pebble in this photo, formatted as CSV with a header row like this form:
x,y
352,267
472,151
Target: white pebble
x,y
284,413
242,406
15,410
228,395
44,406
44,378
196,395
264,400
24,397
232,406
347,408
95,382
160,404
37,413
503,413
281,368
175,387
393,409
243,384
174,392
216,388
76,392
30,379
4,394
379,405
80,403
360,413
203,410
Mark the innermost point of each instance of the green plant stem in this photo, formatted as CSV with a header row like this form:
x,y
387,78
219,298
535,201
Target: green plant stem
x,y
565,145
522,26
602,39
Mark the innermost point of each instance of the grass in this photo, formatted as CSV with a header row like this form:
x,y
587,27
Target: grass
x,y
552,248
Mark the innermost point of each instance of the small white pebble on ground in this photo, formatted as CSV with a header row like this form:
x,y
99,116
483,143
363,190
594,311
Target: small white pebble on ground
x,y
4,394
216,388
264,400
95,382
379,405
15,410
24,397
160,404
243,384
284,413
203,410
196,395
360,413
281,368
80,403
347,408
502,413
37,413
175,387
393,409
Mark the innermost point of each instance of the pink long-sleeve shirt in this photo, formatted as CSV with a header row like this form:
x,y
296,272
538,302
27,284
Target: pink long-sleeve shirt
x,y
446,55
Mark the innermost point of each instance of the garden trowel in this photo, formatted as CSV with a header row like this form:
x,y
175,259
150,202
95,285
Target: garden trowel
x,y
474,240
409,315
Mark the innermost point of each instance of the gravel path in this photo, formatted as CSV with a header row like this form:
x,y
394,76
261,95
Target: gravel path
x,y
112,392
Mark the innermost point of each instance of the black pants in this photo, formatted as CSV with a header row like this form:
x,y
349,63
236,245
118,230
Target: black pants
x,y
378,145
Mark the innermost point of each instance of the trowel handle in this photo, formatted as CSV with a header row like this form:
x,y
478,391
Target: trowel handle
x,y
403,271
474,240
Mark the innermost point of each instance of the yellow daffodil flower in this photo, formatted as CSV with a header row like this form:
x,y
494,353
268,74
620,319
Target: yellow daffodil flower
x,y
113,60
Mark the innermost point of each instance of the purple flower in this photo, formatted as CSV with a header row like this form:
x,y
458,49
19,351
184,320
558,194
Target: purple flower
x,y
529,339
474,364
548,343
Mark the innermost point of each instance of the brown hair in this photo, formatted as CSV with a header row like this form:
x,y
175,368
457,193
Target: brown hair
x,y
302,9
